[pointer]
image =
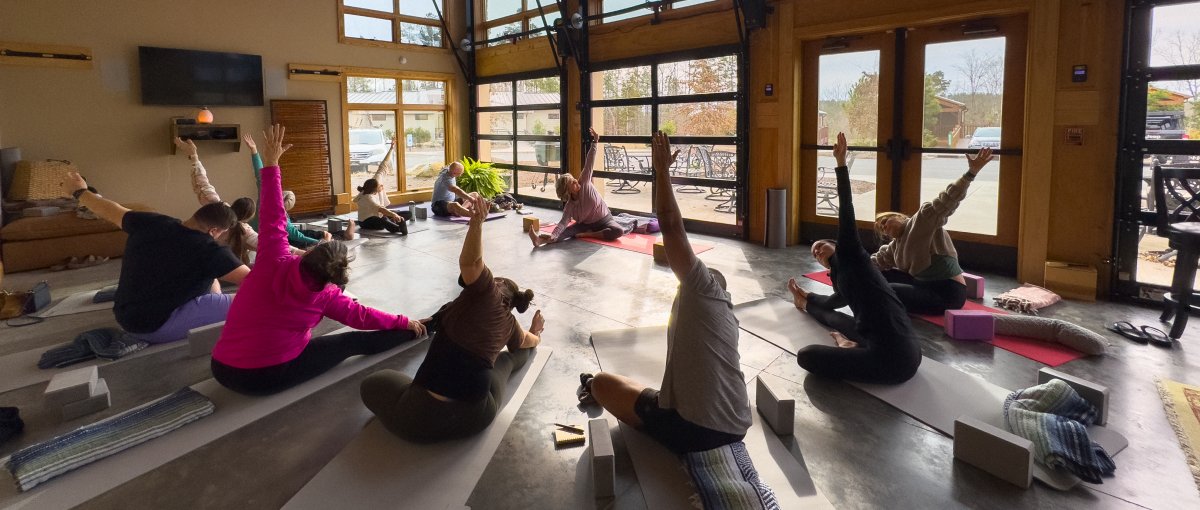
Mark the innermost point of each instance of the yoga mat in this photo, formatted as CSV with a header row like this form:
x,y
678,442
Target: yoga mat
x,y
1182,404
464,221
780,323
78,302
19,370
665,484
1049,353
379,470
383,234
234,411
938,394
641,243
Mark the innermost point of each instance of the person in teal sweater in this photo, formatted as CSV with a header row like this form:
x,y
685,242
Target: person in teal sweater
x,y
296,236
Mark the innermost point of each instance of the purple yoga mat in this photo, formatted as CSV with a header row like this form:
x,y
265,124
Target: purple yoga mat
x,y
464,221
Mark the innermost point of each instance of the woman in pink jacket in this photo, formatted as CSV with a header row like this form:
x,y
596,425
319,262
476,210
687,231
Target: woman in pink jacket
x,y
267,345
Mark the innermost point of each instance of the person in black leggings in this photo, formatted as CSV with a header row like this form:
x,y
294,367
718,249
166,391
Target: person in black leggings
x,y
877,345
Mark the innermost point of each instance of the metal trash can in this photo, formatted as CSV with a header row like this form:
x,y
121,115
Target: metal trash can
x,y
776,218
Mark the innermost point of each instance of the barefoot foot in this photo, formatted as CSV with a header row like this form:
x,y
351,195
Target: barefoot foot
x,y
533,236
842,341
799,296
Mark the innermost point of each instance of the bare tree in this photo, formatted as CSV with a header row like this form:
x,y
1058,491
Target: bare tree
x,y
1179,48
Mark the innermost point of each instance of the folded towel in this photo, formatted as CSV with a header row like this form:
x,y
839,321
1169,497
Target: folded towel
x,y
725,478
1055,419
112,343
65,355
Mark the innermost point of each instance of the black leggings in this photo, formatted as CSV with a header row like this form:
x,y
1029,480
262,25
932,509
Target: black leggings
x,y
409,411
926,297
887,351
381,223
321,354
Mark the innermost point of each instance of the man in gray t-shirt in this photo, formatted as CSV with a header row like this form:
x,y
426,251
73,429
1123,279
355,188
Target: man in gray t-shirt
x,y
446,193
703,402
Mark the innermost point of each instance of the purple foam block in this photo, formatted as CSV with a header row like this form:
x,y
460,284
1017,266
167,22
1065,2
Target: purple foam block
x,y
974,286
970,324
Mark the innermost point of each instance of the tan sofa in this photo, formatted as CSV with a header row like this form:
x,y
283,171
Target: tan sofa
x,y
39,242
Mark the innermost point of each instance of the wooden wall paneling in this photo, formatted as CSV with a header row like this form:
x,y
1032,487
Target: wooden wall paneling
x,y
518,57
771,143
867,16
308,173
624,41
1038,147
575,121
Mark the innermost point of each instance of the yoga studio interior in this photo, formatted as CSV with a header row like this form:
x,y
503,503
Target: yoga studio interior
x,y
600,254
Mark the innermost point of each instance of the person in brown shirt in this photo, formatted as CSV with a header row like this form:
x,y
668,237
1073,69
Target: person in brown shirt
x,y
477,344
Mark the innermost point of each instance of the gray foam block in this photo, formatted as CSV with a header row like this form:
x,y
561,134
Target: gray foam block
x,y
994,450
71,386
201,340
99,400
776,406
1095,394
603,458
420,212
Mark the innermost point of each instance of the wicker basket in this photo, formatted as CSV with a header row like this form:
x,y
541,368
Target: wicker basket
x,y
39,180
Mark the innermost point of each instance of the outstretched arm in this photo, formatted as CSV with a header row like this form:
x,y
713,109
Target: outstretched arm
x,y
112,212
947,201
589,160
205,192
680,256
470,261
272,243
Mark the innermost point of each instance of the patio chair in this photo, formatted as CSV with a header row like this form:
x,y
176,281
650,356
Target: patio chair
x,y
688,165
616,159
826,192
1177,215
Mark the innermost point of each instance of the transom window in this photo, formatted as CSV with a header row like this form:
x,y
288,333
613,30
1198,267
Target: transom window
x,y
390,22
617,5
510,17
395,131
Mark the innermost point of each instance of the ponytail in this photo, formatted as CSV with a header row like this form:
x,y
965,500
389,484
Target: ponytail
x,y
237,242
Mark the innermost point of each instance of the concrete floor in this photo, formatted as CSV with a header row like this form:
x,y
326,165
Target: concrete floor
x,y
862,453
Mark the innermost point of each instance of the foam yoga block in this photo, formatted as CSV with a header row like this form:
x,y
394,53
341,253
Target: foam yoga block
x,y
994,450
201,340
420,212
776,406
975,286
970,324
660,252
336,225
72,386
99,400
603,458
529,223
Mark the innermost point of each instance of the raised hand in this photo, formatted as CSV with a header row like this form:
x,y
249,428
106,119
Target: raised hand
x,y
479,209
187,146
660,153
595,135
839,150
982,158
71,183
273,146
249,141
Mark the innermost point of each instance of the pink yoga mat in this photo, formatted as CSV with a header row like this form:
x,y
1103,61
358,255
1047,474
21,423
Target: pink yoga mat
x,y
641,243
1044,352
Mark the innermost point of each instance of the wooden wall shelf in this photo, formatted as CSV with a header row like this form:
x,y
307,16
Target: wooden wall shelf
x,y
228,135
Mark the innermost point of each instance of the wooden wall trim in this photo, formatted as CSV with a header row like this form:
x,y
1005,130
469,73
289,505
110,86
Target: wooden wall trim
x,y
855,24
1038,156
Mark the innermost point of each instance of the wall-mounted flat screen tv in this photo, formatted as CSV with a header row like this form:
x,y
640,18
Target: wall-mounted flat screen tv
x,y
200,78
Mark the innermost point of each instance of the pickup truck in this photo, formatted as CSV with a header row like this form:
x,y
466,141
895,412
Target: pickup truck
x,y
1165,125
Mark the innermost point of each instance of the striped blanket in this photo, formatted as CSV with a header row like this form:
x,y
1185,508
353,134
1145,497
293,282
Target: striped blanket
x,y
38,463
1055,418
725,478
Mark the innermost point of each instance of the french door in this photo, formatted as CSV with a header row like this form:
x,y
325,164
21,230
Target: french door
x,y
913,103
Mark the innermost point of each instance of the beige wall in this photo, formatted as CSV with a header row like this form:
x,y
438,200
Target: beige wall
x,y
95,117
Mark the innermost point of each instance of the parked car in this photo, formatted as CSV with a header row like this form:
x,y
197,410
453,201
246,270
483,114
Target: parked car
x,y
1165,125
367,147
985,137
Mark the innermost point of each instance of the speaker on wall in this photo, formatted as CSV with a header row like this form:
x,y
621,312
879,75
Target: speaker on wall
x,y
755,12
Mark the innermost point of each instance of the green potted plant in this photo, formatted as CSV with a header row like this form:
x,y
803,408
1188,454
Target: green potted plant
x,y
480,177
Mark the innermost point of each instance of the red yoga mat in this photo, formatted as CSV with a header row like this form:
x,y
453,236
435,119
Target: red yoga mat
x,y
641,243
1044,352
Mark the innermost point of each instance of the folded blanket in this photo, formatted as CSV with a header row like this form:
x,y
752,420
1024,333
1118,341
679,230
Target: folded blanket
x,y
725,478
107,343
38,463
1055,419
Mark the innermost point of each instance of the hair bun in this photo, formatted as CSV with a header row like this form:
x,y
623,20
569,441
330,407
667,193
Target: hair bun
x,y
522,299
360,189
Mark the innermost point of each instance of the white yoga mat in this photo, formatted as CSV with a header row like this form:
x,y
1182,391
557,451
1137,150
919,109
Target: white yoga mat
x,y
379,470
780,323
234,411
20,369
78,302
635,353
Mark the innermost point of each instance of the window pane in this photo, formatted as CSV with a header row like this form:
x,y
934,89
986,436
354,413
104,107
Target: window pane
x,y
494,94
688,3
633,158
362,27
862,184
614,5
424,92
494,9
704,76
623,83
1171,112
622,120
421,8
548,154
421,35
1176,39
377,5
848,84
706,203
371,134
424,148
538,122
370,90
535,19
506,175
502,30
536,184
1156,260
1166,161
978,212
496,151
964,94
539,91
495,123
718,118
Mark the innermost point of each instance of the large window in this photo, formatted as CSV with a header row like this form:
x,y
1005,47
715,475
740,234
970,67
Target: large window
x,y
396,130
390,22
621,5
694,99
520,129
509,17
